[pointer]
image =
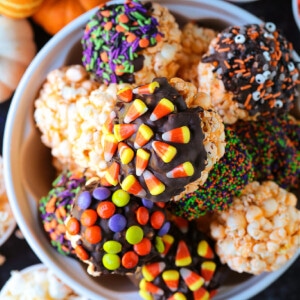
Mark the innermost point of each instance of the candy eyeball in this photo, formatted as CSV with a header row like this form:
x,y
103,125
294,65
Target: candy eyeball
x,y
278,103
256,95
260,78
271,27
291,66
240,39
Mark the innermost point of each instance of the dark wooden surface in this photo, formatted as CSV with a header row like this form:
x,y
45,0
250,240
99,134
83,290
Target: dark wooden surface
x,y
18,253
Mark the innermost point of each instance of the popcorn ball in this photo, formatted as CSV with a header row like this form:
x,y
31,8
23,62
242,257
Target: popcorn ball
x,y
250,72
131,42
114,232
54,208
261,230
162,140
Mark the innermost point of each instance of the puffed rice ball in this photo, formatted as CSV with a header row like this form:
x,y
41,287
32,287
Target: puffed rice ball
x,y
261,230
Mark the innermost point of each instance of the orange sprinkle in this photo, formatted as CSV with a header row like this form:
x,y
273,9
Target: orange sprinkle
x,y
81,253
245,87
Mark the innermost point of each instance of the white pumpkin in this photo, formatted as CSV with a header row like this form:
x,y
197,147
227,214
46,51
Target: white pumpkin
x,y
17,49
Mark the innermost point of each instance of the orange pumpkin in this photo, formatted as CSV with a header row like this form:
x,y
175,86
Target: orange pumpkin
x,y
19,8
53,15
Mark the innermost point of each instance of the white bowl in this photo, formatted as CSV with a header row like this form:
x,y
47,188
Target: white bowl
x,y
27,162
296,12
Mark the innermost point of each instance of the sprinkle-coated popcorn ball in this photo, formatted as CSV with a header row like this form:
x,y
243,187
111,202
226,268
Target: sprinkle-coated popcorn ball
x,y
54,208
274,146
250,72
261,230
187,269
114,232
161,142
131,42
195,40
226,180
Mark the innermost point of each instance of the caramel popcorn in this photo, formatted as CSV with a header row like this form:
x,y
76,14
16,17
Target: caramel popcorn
x,y
261,230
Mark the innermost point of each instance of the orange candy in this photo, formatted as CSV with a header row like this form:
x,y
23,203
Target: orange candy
x,y
93,234
73,226
88,217
157,219
142,215
81,253
106,209
143,247
130,259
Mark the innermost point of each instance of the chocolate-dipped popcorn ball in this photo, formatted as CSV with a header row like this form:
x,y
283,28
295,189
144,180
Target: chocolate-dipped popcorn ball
x,y
162,139
187,269
226,180
54,208
131,42
261,230
114,232
275,149
195,40
250,72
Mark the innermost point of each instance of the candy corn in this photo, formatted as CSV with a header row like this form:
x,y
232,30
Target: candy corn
x,y
183,256
141,161
143,136
168,242
185,169
131,185
207,270
163,108
150,287
152,270
180,135
202,294
136,109
154,185
165,151
171,279
125,94
146,89
125,152
192,279
124,131
110,146
205,250
112,174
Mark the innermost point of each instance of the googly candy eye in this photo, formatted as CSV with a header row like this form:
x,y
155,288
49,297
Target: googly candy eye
x,y
240,39
267,55
271,27
267,74
278,103
291,66
260,78
256,95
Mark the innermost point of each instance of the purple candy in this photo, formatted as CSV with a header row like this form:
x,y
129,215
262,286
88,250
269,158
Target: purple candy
x,y
164,229
117,223
84,200
147,203
101,193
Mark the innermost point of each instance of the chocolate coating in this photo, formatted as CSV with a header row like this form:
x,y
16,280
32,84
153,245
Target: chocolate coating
x,y
193,151
127,223
255,63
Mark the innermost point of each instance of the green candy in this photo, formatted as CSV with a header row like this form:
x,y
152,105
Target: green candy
x,y
120,198
111,261
159,244
112,247
134,234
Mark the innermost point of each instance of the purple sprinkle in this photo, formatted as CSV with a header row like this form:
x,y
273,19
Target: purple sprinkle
x,y
147,203
84,200
117,223
164,229
101,193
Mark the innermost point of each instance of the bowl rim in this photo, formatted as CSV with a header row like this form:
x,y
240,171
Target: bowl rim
x,y
14,134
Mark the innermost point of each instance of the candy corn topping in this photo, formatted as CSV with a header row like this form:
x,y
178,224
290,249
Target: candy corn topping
x,y
162,109
125,94
146,89
131,185
183,170
205,250
126,153
110,146
137,108
152,270
192,279
208,270
141,162
143,136
183,256
112,174
154,185
150,287
202,294
124,131
171,279
180,135
168,242
165,151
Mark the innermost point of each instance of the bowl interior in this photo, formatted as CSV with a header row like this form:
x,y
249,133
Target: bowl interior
x,y
27,163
